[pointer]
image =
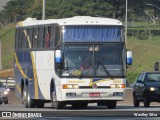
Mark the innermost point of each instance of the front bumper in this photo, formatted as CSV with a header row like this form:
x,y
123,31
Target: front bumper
x,y
3,98
81,94
154,96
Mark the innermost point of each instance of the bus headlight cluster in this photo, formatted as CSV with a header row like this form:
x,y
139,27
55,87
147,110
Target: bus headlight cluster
x,y
70,86
118,86
5,92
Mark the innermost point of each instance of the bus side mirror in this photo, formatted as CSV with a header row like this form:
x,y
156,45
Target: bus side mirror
x,y
129,57
58,56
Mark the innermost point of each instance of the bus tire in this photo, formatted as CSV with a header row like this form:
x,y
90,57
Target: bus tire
x,y
54,103
40,103
58,105
80,105
6,102
30,103
24,99
112,104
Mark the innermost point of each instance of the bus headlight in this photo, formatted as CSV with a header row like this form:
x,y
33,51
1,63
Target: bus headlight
x,y
118,86
5,92
70,86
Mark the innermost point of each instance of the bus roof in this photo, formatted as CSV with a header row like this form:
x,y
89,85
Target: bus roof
x,y
76,20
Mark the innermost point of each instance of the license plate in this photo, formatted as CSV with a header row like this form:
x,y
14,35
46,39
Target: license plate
x,y
94,94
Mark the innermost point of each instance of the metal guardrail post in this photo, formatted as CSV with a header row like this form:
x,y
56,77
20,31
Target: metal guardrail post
x,y
6,81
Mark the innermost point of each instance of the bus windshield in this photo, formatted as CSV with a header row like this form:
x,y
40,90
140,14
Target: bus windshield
x,y
103,60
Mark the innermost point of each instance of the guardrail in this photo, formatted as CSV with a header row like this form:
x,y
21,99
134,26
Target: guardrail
x,y
8,82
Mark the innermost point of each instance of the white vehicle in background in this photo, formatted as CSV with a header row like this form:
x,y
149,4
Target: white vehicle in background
x,y
3,93
75,61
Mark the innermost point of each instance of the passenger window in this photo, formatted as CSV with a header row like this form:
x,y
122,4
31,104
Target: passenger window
x,y
24,39
40,37
47,36
30,32
52,37
57,37
16,38
35,37
20,39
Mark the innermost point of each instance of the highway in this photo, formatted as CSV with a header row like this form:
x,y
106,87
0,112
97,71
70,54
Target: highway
x,y
91,112
124,109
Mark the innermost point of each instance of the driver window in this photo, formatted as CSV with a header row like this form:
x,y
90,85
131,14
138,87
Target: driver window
x,y
140,78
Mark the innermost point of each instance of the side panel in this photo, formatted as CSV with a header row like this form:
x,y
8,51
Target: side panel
x,y
44,63
38,68
23,70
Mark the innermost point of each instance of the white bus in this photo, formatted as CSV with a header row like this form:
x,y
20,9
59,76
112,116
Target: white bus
x,y
74,61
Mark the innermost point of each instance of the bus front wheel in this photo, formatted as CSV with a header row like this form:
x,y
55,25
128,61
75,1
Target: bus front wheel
x,y
30,103
54,103
112,104
40,103
24,97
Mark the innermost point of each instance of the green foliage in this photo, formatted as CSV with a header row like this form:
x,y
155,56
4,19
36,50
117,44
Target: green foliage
x,y
69,8
145,53
35,10
17,10
7,44
143,35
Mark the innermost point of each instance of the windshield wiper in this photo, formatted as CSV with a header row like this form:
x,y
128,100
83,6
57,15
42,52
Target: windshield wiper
x,y
69,62
105,69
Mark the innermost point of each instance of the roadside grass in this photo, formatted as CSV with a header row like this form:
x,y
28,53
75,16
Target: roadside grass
x,y
145,53
7,43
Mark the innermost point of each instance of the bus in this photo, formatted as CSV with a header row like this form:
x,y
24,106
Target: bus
x,y
70,61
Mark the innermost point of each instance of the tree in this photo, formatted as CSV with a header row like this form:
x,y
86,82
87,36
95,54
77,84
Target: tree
x,y
35,10
16,10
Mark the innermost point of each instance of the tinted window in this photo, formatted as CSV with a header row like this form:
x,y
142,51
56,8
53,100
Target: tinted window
x,y
20,39
29,37
38,37
35,37
16,39
140,77
153,77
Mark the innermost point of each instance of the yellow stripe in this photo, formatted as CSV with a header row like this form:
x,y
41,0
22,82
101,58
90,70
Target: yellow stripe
x,y
18,88
33,65
28,39
20,24
92,83
35,77
20,69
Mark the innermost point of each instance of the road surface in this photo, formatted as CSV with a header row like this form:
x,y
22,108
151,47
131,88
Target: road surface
x,y
124,109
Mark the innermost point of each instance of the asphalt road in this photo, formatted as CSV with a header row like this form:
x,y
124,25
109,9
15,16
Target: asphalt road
x,y
92,112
